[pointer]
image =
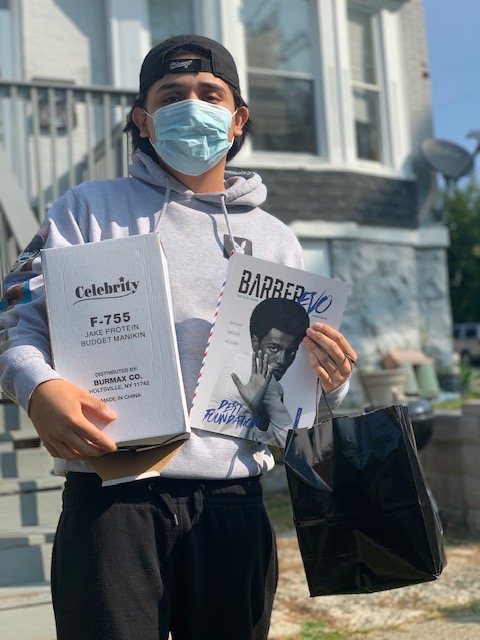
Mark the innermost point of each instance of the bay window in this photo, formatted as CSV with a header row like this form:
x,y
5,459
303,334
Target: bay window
x,y
323,78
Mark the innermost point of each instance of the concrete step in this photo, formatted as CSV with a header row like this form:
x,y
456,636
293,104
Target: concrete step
x,y
26,613
25,463
24,438
25,555
12,417
29,595
30,502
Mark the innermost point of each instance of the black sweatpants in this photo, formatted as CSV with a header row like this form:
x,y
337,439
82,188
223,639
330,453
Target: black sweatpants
x,y
137,560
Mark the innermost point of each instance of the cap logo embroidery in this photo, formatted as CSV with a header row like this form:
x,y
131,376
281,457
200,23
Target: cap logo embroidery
x,y
177,64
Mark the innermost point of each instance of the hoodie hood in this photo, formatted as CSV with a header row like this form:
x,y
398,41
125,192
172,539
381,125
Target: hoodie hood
x,y
242,188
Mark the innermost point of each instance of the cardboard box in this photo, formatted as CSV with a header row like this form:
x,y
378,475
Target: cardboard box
x,y
125,466
112,334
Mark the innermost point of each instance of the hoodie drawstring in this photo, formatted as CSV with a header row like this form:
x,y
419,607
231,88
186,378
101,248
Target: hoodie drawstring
x,y
198,497
225,213
167,501
166,200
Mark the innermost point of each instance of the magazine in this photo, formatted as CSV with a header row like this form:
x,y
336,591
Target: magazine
x,y
256,381
112,334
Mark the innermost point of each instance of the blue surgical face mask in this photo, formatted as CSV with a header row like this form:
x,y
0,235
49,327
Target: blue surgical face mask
x,y
192,135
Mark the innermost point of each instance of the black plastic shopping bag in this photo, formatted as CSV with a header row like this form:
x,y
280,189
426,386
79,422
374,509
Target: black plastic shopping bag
x,y
363,517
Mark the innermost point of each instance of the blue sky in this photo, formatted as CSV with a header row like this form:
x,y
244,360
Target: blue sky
x,y
453,38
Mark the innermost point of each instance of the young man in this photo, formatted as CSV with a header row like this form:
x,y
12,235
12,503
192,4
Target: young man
x,y
192,551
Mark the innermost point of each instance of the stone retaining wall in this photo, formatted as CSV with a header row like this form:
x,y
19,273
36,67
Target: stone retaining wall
x,y
451,462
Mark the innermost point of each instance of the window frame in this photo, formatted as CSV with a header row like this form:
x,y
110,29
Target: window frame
x,y
378,88
317,99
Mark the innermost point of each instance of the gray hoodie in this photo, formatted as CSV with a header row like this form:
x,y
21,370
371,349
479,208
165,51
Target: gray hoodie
x,y
197,232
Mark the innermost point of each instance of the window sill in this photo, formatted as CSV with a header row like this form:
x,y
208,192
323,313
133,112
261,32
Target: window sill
x,y
305,162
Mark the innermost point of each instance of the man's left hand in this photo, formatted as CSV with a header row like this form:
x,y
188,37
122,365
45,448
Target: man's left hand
x,y
331,356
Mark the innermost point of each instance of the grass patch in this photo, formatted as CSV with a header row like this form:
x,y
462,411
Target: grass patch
x,y
458,535
454,403
449,405
471,608
315,630
279,509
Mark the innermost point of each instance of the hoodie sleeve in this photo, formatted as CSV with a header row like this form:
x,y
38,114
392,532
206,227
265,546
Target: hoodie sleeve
x,y
25,356
334,399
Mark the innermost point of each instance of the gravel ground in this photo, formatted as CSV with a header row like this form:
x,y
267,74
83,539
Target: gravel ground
x,y
444,609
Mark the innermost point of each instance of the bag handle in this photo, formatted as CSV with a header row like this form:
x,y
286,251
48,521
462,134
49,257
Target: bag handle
x,y
323,394
318,397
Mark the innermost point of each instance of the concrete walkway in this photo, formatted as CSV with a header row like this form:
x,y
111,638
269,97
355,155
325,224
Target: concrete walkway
x,y
462,628
26,613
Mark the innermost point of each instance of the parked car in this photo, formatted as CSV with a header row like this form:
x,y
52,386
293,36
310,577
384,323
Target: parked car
x,y
466,339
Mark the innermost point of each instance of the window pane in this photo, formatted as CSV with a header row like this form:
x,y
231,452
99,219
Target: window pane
x,y
278,35
169,18
362,60
282,113
367,124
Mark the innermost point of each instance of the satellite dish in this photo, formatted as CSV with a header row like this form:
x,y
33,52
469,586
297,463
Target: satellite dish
x,y
451,160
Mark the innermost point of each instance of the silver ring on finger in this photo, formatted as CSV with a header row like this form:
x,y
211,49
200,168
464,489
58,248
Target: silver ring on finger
x,y
350,359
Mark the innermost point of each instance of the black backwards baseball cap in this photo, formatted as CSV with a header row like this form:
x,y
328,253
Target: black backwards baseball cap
x,y
159,61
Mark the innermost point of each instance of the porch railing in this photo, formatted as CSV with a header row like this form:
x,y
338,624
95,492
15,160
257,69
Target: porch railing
x,y
52,137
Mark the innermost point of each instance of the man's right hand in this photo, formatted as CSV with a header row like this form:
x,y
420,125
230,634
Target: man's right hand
x,y
59,411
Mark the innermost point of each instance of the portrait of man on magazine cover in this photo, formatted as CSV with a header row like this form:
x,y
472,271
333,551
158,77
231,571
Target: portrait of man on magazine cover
x,y
248,398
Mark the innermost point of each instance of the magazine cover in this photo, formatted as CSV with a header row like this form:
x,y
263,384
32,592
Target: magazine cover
x,y
256,381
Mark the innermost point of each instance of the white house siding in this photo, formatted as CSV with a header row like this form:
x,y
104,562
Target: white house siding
x,y
70,43
65,40
417,79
